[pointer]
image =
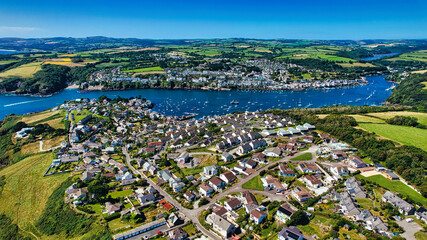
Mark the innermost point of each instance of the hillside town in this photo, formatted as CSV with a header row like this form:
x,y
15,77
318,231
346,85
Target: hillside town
x,y
237,176
251,74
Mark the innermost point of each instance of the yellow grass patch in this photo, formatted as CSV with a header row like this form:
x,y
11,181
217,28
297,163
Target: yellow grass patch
x,y
357,64
422,117
53,142
30,148
420,71
39,116
206,160
24,71
322,116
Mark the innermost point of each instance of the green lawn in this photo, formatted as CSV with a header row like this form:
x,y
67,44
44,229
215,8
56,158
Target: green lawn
x,y
190,229
303,157
24,71
421,235
314,227
96,207
123,193
402,134
148,69
365,203
395,186
255,184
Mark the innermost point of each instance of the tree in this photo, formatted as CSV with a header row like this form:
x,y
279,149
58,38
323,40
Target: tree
x,y
298,218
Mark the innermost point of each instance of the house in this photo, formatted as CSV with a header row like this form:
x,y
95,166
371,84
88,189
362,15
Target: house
x,y
227,177
226,156
286,172
391,175
205,189
245,148
283,133
86,176
258,216
308,168
112,208
270,182
232,204
309,126
259,157
189,196
347,205
301,194
290,233
221,225
164,174
312,181
285,212
210,170
249,198
421,214
354,188
250,163
178,186
143,199
269,132
219,210
340,171
403,206
356,162
184,157
177,234
216,183
338,154
273,152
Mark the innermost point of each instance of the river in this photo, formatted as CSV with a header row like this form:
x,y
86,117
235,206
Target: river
x,y
379,56
177,102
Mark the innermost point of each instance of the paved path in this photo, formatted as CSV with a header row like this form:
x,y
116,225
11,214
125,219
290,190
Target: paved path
x,y
194,213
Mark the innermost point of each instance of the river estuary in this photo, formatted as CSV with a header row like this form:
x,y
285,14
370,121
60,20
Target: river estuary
x,y
204,103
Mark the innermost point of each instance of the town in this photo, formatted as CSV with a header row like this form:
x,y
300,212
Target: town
x,y
238,176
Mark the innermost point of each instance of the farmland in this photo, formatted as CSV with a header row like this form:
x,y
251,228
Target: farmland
x,y
26,191
411,56
24,71
402,134
148,69
422,117
395,186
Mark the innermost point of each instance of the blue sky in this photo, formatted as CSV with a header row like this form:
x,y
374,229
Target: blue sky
x,y
296,19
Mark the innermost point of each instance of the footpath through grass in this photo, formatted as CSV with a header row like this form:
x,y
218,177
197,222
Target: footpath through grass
x,y
395,186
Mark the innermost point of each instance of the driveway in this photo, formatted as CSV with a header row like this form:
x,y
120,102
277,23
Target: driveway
x,y
409,228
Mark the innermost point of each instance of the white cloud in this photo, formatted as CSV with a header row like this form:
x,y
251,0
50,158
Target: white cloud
x,y
9,29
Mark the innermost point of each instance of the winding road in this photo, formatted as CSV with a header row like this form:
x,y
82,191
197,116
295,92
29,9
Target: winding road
x,y
193,214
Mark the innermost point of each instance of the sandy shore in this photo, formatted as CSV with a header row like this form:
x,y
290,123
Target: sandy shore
x,y
74,86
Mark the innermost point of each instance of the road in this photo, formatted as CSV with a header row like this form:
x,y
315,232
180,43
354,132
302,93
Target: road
x,y
193,214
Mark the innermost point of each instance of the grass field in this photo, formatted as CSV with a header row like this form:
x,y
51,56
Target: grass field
x,y
422,117
303,157
149,69
118,194
425,84
366,119
395,186
319,225
26,191
356,64
6,62
255,184
24,71
421,235
402,134
411,56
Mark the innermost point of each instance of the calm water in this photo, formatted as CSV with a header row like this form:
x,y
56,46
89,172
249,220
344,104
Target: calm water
x,y
177,102
379,56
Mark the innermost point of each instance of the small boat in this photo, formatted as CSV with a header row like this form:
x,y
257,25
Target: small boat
x,y
234,102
